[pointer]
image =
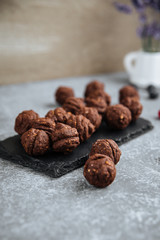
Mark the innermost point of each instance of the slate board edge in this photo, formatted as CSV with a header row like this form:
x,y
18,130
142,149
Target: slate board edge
x,y
136,134
55,173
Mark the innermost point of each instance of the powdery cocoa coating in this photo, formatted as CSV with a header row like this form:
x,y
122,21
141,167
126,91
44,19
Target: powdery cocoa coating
x,y
23,121
83,125
99,170
93,115
92,87
35,142
64,138
99,103
63,93
118,116
134,106
45,124
128,91
106,147
58,115
73,104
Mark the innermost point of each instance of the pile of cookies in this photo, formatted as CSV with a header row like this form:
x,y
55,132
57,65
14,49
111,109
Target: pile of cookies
x,y
64,128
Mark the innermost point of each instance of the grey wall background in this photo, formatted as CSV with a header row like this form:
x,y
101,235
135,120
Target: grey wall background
x,y
44,39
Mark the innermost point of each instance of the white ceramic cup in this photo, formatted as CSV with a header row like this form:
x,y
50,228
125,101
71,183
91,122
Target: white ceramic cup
x,y
143,68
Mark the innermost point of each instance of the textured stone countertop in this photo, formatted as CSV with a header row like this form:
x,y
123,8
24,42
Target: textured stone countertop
x,y
35,206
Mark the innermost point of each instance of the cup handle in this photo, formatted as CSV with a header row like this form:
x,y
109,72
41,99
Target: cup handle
x,y
128,62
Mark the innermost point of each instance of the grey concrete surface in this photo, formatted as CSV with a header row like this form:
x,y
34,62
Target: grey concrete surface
x,y
34,206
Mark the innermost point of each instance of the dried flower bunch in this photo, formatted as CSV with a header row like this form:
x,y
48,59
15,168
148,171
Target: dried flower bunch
x,y
64,128
149,17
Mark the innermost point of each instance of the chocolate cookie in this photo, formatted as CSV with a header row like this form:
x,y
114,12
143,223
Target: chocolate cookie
x,y
92,87
106,147
63,93
73,104
35,142
107,98
93,115
118,116
128,91
100,93
99,103
83,125
64,138
99,170
23,121
96,93
45,124
134,106
58,115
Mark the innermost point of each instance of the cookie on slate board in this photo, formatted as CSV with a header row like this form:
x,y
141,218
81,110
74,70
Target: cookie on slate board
x,y
99,103
128,91
58,115
73,104
118,116
35,142
23,121
92,114
63,93
83,125
134,106
92,87
65,138
45,124
107,98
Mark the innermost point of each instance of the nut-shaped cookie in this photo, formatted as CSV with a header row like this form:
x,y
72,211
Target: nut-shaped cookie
x,y
35,142
106,147
83,125
99,170
58,115
73,104
23,121
99,103
65,138
100,93
92,87
96,93
134,106
128,91
63,93
118,116
93,115
45,124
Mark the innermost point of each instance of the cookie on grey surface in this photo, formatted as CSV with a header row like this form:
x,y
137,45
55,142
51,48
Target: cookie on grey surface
x,y
106,147
99,170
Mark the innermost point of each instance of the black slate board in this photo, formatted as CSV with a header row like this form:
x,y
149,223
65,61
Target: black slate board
x,y
58,164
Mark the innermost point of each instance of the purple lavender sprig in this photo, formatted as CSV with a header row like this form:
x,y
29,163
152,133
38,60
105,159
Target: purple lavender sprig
x,y
148,29
123,7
